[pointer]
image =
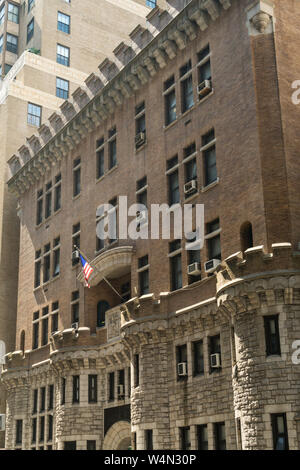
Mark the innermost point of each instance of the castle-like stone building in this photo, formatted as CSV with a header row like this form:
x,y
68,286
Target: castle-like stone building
x,y
169,348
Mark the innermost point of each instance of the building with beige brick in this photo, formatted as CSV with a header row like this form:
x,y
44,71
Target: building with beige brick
x,y
169,348
47,49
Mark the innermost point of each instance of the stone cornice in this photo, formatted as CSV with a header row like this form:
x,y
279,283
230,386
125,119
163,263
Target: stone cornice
x,y
93,103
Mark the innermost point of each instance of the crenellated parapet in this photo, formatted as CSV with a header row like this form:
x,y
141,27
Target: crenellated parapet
x,y
131,66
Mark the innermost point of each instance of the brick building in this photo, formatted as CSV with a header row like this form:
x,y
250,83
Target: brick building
x,y
199,352
47,49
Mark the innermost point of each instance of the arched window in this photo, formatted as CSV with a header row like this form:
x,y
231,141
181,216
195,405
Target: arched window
x,y
102,308
2,352
246,235
22,341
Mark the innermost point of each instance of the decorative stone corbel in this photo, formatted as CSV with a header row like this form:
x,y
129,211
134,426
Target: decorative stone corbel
x,y
260,18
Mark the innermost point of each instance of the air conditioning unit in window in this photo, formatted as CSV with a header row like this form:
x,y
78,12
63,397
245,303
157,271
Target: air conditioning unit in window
x,y
140,139
211,265
75,255
204,88
182,369
120,391
215,361
190,187
2,422
142,217
75,326
194,269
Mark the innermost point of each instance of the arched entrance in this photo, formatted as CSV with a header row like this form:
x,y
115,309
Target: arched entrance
x,y
118,437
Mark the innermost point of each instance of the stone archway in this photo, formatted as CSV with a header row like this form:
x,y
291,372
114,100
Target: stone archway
x,y
118,437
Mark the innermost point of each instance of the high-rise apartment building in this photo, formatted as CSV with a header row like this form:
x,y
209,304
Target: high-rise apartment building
x,y
180,349
47,49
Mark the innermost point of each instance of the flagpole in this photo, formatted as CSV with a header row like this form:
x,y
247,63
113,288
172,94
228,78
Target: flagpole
x,y
104,278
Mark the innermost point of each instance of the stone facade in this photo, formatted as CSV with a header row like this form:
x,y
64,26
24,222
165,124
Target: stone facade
x,y
240,388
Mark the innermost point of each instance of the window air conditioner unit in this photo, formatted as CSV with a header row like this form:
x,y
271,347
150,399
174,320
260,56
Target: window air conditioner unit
x,y
215,361
194,269
182,369
142,217
140,139
204,88
75,255
211,265
2,422
120,390
75,326
190,187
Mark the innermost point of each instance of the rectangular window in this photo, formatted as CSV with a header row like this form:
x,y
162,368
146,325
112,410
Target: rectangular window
x,y
63,391
54,317
30,4
100,158
111,386
151,3
62,88
204,73
76,177
140,125
34,115
12,43
76,388
90,445
2,14
143,273
75,242
112,153
185,440
46,262
198,356
43,399
190,174
209,158
57,193
149,439
30,30
1,43
39,207
13,13
50,428
56,257
37,268
33,430
136,370
63,55
63,22
173,182
170,101
220,436
213,240
75,306
42,429
50,397
181,359
202,437
93,392
35,331
279,430
19,431
187,97
215,358
45,326
272,335
48,200
175,265
70,445
35,401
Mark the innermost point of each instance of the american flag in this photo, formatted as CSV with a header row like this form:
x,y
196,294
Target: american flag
x,y
87,270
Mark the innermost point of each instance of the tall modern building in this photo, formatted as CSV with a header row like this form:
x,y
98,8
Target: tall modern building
x,y
47,49
169,348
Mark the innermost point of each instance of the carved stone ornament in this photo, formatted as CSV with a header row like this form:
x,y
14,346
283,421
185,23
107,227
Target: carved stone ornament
x,y
261,21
